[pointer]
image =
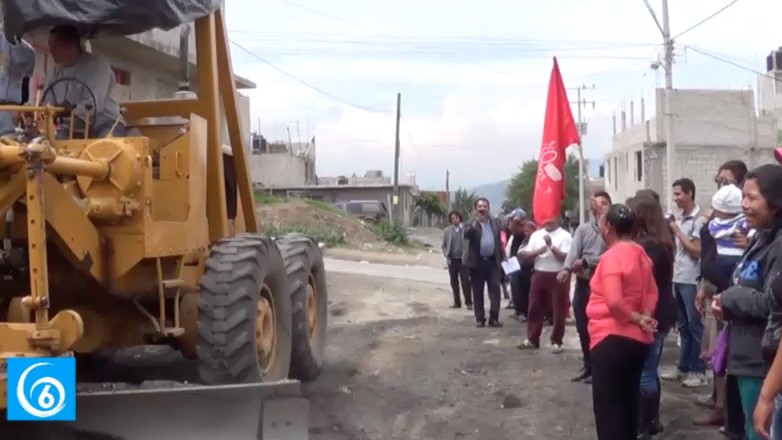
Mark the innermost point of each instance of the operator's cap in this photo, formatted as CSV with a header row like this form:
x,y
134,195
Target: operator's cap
x,y
518,212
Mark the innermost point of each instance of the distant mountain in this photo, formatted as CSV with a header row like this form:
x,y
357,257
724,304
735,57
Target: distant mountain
x,y
495,192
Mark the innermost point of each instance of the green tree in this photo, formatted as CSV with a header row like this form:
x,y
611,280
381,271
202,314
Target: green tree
x,y
779,138
463,201
430,204
522,185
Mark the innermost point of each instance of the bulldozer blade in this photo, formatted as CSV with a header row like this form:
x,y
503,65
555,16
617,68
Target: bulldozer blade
x,y
263,411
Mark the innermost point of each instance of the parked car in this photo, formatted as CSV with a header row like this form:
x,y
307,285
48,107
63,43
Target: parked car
x,y
368,211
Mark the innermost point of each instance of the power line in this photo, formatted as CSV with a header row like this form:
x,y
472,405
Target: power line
x,y
341,20
460,40
418,54
732,63
306,84
698,24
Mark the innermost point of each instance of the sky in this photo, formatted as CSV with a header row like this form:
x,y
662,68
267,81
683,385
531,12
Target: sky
x,y
474,75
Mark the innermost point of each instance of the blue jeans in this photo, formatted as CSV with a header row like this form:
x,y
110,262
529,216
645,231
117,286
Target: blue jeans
x,y
649,379
776,419
690,329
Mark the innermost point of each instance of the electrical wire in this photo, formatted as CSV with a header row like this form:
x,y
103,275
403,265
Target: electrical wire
x,y
341,20
463,56
698,24
306,84
457,40
732,63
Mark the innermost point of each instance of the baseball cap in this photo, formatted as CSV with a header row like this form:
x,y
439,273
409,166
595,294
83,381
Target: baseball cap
x,y
518,212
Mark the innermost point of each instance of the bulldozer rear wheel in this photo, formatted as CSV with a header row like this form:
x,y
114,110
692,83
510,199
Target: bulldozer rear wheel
x,y
309,298
244,313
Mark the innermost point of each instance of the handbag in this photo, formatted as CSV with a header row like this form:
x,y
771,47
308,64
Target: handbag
x,y
719,357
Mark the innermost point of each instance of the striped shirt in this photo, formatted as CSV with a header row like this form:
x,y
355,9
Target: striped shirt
x,y
723,229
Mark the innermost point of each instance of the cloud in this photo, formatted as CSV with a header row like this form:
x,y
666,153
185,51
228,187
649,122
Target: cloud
x,y
473,81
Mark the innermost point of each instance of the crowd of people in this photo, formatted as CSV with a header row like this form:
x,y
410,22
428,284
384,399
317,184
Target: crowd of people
x,y
640,273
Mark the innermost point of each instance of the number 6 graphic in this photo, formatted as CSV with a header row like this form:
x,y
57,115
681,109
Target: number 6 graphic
x,y
46,401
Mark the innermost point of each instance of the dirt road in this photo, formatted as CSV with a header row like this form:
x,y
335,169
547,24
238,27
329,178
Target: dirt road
x,y
402,365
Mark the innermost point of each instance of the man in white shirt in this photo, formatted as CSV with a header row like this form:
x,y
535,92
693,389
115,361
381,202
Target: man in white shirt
x,y
547,248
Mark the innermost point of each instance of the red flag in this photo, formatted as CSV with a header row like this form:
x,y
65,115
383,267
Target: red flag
x,y
559,132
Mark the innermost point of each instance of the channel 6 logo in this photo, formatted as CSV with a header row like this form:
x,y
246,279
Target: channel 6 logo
x,y
41,389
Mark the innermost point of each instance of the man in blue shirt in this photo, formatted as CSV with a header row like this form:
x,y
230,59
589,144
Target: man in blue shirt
x,y
484,257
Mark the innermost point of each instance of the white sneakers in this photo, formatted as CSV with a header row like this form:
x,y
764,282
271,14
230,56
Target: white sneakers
x,y
671,374
689,380
695,380
556,348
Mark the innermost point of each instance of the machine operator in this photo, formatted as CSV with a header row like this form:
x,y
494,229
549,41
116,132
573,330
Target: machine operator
x,y
73,61
17,62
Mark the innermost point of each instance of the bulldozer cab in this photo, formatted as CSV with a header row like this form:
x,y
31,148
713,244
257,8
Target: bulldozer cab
x,y
151,238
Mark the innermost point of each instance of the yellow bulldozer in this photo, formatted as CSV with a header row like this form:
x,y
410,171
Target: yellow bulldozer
x,y
153,238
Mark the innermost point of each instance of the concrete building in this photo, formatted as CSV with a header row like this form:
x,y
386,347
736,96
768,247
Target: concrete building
x,y
345,193
372,186
282,165
146,66
770,89
711,127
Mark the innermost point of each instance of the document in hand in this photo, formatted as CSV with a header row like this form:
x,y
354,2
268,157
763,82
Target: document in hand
x,y
511,265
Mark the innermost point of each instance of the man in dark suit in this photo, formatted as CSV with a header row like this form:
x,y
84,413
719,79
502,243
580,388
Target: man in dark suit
x,y
484,257
453,250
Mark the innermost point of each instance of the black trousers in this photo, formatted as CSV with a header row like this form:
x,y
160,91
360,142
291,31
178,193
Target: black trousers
x,y
616,373
519,290
486,273
459,274
580,301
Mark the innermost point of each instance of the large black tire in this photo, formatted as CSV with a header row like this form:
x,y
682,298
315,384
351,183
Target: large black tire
x,y
306,278
244,277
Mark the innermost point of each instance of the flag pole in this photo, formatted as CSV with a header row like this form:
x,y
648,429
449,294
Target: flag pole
x,y
581,195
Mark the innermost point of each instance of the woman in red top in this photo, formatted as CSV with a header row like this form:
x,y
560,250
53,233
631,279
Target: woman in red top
x,y
621,327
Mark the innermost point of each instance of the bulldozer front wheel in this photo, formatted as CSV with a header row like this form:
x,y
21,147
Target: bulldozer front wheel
x,y
244,313
309,298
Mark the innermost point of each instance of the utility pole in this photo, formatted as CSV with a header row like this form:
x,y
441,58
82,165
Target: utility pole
x,y
395,211
447,189
670,140
582,131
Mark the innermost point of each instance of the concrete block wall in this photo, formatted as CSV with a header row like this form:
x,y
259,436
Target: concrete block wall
x,y
280,170
711,127
698,163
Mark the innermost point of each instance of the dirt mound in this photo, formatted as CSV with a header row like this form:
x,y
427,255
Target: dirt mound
x,y
324,224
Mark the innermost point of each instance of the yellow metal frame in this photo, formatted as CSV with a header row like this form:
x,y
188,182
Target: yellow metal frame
x,y
140,240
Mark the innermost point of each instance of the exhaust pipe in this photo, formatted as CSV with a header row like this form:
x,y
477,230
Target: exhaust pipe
x,y
184,59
